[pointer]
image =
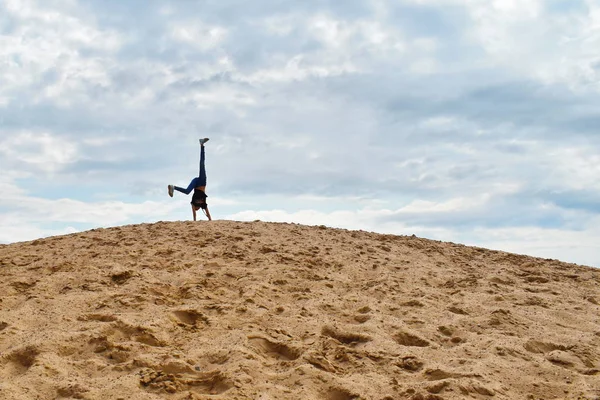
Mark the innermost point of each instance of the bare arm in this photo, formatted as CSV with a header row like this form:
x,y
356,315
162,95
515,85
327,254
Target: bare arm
x,y
194,212
207,213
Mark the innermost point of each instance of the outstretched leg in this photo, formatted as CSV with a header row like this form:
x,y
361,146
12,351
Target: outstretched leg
x,y
188,190
202,174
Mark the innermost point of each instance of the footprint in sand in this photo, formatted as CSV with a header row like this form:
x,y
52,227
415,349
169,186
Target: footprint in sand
x,y
535,346
362,318
409,339
120,277
349,338
113,353
592,300
457,310
412,303
563,359
211,383
363,315
536,279
474,389
445,379
190,318
341,394
278,351
74,391
142,335
97,317
446,331
451,339
410,363
21,359
563,356
439,374
121,332
23,285
502,281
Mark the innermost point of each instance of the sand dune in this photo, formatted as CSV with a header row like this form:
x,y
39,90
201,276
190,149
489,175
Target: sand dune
x,y
229,310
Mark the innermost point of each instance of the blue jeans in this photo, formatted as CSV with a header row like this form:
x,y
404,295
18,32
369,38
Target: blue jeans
x,y
196,182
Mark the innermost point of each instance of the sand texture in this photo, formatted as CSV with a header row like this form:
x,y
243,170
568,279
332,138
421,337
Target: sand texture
x,y
231,310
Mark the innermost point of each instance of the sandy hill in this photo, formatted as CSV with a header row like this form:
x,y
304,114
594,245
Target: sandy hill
x,y
229,310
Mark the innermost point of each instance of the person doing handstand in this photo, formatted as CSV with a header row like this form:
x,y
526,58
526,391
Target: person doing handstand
x,y
198,185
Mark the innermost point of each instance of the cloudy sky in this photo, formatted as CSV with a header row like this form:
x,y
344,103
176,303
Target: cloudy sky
x,y
471,121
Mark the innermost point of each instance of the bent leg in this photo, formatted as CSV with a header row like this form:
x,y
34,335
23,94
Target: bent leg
x,y
202,175
190,187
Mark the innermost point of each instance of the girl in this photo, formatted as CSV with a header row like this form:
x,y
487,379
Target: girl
x,y
199,186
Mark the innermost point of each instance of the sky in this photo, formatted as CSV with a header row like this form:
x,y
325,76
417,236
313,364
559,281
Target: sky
x,y
469,121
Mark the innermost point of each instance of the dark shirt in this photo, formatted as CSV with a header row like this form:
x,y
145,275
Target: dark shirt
x,y
199,198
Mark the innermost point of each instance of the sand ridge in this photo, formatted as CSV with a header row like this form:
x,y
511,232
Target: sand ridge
x,y
232,310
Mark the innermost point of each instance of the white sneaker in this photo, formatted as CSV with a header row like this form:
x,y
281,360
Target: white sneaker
x,y
202,141
170,188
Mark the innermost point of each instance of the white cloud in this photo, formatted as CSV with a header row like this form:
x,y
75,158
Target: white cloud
x,y
439,122
529,37
48,42
573,167
578,246
9,189
30,216
353,37
533,39
460,204
425,44
201,36
44,151
12,229
344,44
298,68
280,25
